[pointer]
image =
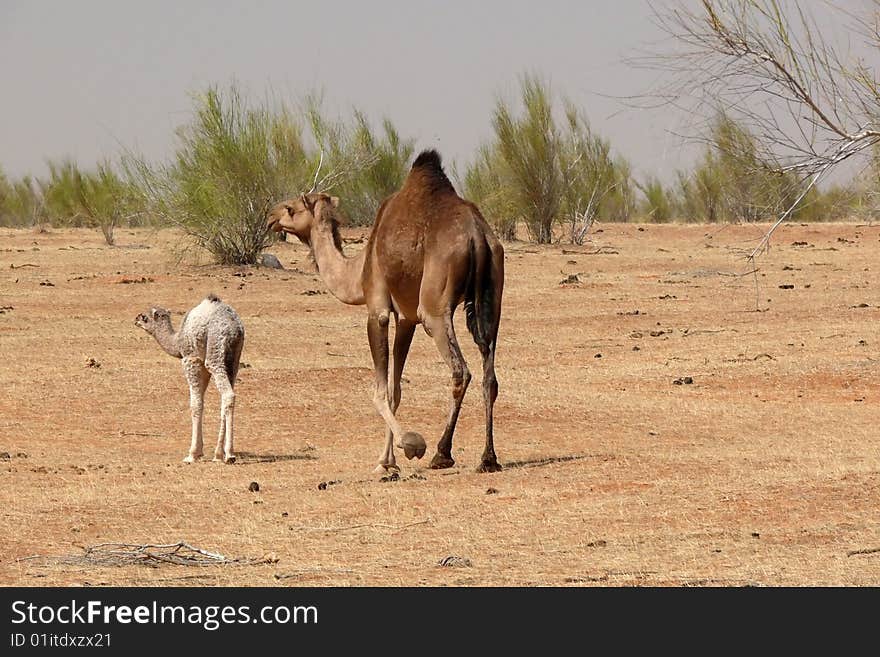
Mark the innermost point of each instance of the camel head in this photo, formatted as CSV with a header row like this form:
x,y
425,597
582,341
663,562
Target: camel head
x,y
300,215
155,318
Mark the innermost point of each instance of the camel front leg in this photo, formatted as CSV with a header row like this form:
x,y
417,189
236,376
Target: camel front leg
x,y
412,443
197,378
403,336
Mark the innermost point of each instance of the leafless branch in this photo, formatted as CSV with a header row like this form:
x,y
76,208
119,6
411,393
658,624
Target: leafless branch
x,y
811,104
853,553
317,172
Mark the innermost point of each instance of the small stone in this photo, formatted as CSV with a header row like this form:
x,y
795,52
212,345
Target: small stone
x,y
455,562
254,487
491,491
271,261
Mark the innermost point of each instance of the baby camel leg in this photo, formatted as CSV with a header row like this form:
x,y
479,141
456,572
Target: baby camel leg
x,y
197,378
227,410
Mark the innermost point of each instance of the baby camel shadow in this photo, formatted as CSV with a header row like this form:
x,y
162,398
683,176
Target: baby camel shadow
x,y
247,458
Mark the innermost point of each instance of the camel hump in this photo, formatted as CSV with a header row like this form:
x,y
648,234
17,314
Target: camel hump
x,y
429,164
429,159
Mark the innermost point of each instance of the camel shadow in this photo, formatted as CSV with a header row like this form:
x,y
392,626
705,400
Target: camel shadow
x,y
248,458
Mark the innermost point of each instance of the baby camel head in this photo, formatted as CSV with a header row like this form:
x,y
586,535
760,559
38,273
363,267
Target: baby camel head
x,y
152,320
298,215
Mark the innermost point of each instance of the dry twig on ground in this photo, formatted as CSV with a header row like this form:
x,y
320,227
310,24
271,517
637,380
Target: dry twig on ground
x,y
153,555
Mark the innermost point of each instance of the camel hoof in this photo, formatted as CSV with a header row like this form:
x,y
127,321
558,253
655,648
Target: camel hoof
x,y
489,466
229,460
192,458
413,445
439,462
382,469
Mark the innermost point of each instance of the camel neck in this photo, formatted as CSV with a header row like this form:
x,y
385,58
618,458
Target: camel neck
x,y
167,339
340,274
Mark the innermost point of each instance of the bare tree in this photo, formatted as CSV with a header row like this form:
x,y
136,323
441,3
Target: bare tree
x,y
811,104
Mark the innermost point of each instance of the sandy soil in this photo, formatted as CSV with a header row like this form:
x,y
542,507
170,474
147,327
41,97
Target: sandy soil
x,y
764,470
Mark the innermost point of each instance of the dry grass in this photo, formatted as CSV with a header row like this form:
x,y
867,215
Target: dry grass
x,y
765,470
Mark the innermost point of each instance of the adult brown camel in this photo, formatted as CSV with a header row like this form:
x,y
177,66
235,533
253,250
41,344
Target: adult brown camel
x,y
429,251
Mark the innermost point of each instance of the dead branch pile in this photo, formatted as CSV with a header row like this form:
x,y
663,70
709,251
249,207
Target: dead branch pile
x,y
128,554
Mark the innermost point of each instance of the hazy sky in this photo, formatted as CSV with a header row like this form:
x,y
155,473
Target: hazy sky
x,y
80,78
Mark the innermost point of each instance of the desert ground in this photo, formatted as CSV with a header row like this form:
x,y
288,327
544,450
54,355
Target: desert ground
x,y
665,418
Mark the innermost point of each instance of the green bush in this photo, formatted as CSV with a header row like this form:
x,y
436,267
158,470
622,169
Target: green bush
x,y
60,194
596,186
659,203
231,164
234,161
535,172
21,204
731,182
359,165
106,200
484,185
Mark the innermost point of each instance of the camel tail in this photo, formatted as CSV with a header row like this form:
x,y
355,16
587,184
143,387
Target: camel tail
x,y
479,298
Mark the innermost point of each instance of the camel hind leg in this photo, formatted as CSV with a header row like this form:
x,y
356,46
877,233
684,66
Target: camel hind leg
x,y
222,362
489,461
224,449
441,329
483,308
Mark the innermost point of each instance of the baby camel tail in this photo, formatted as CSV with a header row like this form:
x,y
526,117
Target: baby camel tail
x,y
429,252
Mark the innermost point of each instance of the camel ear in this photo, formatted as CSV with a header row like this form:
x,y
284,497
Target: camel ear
x,y
334,201
309,205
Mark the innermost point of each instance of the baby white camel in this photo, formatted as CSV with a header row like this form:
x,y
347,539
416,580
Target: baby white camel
x,y
209,341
